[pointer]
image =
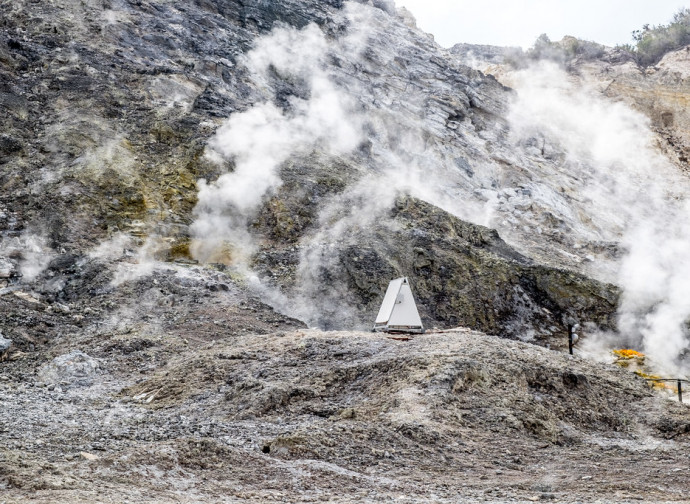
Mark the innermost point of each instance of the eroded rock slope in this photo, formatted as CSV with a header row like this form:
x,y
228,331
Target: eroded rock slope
x,y
111,107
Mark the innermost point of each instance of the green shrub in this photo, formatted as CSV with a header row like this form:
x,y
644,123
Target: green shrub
x,y
564,51
653,42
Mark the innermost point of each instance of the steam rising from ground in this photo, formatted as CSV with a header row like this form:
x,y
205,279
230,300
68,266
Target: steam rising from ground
x,y
633,194
327,113
134,260
31,253
259,140
613,184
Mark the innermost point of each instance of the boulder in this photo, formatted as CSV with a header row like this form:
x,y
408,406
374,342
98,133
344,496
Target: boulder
x,y
5,345
72,369
6,268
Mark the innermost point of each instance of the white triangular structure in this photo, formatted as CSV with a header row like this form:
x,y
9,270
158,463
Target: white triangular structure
x,y
398,311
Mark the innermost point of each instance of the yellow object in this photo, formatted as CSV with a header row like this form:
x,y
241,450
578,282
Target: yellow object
x,y
660,385
627,354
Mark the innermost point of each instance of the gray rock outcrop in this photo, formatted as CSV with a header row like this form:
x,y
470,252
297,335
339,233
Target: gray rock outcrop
x,y
7,269
75,369
5,345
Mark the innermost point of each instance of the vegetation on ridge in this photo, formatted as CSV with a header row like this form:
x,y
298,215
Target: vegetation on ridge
x,y
653,42
567,49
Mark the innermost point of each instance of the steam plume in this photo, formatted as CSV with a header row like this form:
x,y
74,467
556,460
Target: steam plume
x,y
259,140
611,186
633,194
32,252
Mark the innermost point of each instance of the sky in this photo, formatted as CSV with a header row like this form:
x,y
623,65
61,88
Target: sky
x,y
520,22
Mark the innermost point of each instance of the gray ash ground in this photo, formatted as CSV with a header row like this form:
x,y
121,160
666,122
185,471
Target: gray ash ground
x,y
180,387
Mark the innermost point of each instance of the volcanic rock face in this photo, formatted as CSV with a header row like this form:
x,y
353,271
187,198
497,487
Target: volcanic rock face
x,y
661,93
620,134
185,187
110,107
464,275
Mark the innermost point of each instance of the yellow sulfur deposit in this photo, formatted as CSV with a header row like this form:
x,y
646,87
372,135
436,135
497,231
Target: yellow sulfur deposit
x,y
628,354
634,361
628,358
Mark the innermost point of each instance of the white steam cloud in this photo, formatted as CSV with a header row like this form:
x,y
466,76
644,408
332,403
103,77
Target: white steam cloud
x,y
582,159
339,97
31,253
628,191
133,260
259,140
332,110
656,301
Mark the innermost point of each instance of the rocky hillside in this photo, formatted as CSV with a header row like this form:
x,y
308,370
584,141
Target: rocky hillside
x,y
201,205
659,91
622,134
115,111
